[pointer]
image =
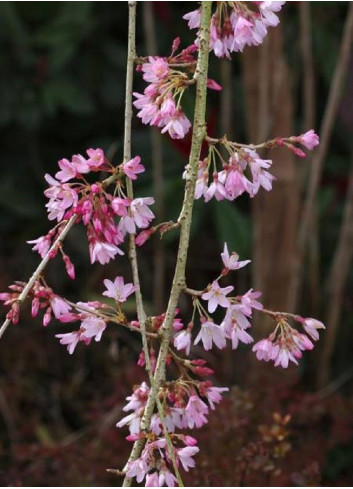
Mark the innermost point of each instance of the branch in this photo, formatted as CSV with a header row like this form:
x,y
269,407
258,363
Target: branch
x,y
141,314
40,268
199,132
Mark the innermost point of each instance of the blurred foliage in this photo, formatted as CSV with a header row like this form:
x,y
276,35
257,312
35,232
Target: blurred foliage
x,y
62,91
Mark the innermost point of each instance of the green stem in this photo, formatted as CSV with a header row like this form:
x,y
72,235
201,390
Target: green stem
x,y
185,218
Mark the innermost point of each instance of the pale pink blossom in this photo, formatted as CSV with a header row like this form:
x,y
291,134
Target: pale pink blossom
x,y
193,18
42,245
265,350
96,158
214,395
59,306
234,324
118,290
81,164
120,206
311,326
182,341
216,296
249,302
156,70
133,167
210,333
92,327
67,171
195,413
103,252
216,189
177,126
185,456
231,262
309,139
140,215
69,339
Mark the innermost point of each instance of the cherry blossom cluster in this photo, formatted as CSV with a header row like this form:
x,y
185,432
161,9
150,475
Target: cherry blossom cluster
x,y
93,316
235,25
186,406
168,78
245,171
283,345
70,194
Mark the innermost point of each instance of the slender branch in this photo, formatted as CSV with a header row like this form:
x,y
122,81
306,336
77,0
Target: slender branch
x,y
40,268
141,314
199,132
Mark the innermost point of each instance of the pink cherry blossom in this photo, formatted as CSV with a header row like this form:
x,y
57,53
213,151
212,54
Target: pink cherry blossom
x,y
195,412
133,167
216,296
96,158
103,252
231,262
182,341
210,333
214,395
67,171
42,245
177,126
311,326
92,327
249,302
59,306
118,290
185,456
309,139
69,339
234,324
156,70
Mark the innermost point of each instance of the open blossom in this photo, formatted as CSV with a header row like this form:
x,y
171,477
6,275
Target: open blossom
x,y
67,172
213,394
185,456
210,333
92,327
216,296
232,27
69,339
103,252
41,244
59,306
249,302
235,324
140,216
117,290
182,341
133,167
177,126
195,413
156,70
96,158
311,326
231,262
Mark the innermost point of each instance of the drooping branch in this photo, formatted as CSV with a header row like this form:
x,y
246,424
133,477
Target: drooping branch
x,y
22,297
199,132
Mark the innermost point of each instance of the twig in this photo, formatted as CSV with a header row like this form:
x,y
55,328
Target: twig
x,y
336,281
40,268
185,217
141,314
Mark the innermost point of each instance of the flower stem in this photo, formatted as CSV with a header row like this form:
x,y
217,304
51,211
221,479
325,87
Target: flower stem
x,y
199,132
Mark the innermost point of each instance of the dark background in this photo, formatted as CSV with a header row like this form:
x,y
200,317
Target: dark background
x,y
62,91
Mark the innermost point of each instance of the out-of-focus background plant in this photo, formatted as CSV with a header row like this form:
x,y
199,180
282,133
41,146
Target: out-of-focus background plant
x,y
62,91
